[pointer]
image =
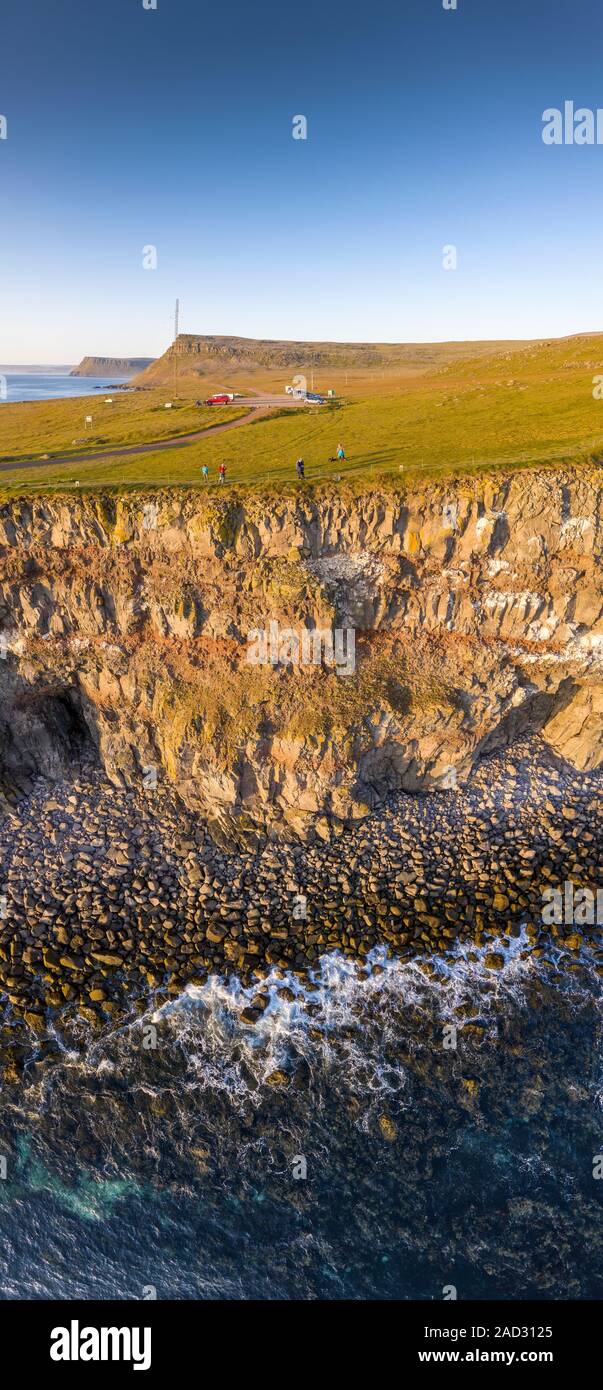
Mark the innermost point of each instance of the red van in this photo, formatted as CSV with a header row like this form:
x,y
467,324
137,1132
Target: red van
x,y
223,399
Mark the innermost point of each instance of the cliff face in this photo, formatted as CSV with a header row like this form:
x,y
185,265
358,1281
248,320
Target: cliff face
x,y
109,366
465,615
197,354
202,354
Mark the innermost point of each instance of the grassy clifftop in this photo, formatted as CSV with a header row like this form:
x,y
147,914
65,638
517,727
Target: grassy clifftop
x,y
530,406
29,429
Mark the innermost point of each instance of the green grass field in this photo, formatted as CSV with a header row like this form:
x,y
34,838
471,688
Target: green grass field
x,y
30,429
527,407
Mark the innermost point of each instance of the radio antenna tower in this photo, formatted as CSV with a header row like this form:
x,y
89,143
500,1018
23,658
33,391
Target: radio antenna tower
x,y
176,322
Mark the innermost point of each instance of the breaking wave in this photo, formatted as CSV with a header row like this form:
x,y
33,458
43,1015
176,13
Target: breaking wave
x,y
376,1132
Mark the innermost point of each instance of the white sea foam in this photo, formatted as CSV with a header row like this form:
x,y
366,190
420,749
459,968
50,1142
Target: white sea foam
x,y
197,1131
347,1017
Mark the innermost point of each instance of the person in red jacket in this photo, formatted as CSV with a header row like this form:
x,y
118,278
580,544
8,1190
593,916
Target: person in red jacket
x,y
222,472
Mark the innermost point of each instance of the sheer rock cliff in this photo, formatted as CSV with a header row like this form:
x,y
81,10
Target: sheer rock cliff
x,y
466,614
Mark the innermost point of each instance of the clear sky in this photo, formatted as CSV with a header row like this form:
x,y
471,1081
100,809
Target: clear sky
x,y
173,128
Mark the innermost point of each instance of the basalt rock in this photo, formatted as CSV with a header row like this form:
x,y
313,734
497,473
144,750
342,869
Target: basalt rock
x,y
476,610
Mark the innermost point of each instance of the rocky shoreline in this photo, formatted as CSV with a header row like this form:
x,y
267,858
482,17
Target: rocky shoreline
x,y
109,897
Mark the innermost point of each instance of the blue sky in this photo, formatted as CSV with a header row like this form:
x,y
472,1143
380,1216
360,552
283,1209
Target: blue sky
x,y
130,127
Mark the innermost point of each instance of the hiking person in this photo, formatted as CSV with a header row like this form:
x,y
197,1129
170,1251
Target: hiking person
x,y
341,453
205,472
299,467
222,472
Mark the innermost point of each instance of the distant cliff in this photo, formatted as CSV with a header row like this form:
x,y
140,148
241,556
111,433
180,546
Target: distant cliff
x,y
193,355
111,366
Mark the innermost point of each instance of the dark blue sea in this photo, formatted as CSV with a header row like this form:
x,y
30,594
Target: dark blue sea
x,y
36,386
350,1144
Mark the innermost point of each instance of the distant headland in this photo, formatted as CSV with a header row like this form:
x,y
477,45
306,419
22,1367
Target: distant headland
x,y
111,366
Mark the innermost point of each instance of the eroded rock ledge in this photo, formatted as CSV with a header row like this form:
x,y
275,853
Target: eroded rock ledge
x,y
477,609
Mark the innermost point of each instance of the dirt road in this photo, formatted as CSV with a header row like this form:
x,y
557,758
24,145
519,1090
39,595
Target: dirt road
x,y
259,406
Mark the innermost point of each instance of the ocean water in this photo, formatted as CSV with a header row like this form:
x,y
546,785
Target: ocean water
x,y
35,386
165,1158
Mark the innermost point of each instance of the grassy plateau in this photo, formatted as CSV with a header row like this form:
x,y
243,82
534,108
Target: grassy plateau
x,y
30,429
528,405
